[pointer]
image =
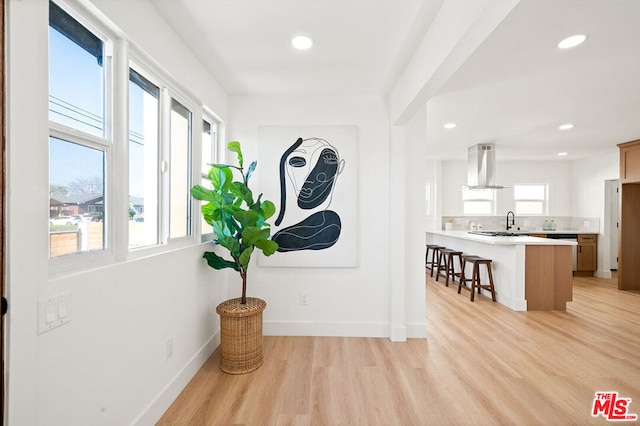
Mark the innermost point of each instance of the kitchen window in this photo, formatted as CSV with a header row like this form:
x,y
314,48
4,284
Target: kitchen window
x,y
479,201
531,199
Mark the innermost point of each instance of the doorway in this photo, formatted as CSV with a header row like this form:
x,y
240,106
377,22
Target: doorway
x,y
612,221
2,213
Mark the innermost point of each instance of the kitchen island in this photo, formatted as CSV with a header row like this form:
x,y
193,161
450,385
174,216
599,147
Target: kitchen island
x,y
529,273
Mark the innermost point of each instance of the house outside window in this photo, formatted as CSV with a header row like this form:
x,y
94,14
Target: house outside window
x,y
79,141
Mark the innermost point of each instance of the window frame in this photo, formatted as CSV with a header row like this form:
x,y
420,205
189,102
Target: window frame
x,y
169,90
85,260
119,56
545,200
491,201
215,122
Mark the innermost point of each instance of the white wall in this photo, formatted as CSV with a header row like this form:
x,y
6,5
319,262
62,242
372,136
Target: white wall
x,y
588,178
557,174
342,301
107,365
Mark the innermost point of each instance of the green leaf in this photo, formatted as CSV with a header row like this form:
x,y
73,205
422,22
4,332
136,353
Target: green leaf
x,y
240,190
245,257
201,193
268,247
251,234
230,244
220,176
268,209
221,228
246,218
235,147
211,212
216,262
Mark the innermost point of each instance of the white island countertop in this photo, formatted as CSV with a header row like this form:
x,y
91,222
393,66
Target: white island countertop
x,y
515,240
530,273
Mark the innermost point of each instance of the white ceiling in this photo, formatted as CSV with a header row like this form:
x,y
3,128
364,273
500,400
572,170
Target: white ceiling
x,y
515,90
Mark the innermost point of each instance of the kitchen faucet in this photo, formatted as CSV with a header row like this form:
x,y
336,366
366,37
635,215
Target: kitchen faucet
x,y
513,220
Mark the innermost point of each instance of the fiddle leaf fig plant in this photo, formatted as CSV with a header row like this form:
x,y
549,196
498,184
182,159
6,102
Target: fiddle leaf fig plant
x,y
238,220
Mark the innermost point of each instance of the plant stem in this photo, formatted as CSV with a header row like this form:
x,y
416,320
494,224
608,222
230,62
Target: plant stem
x,y
243,274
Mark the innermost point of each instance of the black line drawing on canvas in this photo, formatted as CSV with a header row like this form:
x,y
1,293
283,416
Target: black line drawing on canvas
x,y
311,168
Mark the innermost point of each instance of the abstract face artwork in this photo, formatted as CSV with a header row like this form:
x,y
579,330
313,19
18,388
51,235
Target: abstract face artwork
x,y
311,175
309,169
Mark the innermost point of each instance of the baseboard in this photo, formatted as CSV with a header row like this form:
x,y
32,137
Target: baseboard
x,y
417,330
398,333
336,329
152,412
601,273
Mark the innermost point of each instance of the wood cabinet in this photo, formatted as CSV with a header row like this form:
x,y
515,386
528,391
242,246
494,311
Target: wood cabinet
x,y
628,265
587,254
630,162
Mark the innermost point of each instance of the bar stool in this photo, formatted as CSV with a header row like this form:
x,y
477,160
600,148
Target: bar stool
x,y
435,252
476,261
446,261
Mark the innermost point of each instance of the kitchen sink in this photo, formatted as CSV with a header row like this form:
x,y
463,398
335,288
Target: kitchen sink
x,y
495,233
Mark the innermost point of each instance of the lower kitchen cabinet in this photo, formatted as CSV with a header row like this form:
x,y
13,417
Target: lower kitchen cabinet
x,y
587,254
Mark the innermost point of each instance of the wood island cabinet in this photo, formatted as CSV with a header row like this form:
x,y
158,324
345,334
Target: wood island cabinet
x,y
587,255
628,265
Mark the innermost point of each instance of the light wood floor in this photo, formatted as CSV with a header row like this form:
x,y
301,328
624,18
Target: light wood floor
x,y
482,364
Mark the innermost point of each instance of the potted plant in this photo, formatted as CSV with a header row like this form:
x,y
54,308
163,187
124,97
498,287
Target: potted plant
x,y
239,223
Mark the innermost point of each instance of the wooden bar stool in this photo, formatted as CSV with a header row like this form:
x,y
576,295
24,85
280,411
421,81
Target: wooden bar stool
x,y
476,261
435,250
445,261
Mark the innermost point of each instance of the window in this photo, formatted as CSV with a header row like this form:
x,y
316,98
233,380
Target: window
x,y
180,171
209,149
427,199
78,142
90,104
478,201
530,199
76,74
144,116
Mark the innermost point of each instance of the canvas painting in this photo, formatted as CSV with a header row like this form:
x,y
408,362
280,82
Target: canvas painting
x,y
311,175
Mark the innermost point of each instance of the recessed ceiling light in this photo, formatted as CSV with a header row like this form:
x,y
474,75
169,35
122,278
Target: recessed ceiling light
x,y
562,154
302,42
450,126
566,126
572,41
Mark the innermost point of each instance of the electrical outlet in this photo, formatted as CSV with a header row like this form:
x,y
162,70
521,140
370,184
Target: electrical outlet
x,y
304,299
169,347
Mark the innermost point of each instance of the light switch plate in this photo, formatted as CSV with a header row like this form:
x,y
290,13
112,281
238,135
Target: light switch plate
x,y
53,312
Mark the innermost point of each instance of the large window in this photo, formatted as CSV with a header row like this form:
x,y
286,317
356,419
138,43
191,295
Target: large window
x,y
120,142
530,199
144,116
78,142
478,201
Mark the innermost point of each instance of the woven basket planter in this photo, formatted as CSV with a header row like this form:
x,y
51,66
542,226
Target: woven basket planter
x,y
241,335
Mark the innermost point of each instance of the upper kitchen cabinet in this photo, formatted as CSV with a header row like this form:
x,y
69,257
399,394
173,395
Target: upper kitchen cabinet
x,y
630,162
628,266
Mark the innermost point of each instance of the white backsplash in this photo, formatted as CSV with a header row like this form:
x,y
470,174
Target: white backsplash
x,y
522,223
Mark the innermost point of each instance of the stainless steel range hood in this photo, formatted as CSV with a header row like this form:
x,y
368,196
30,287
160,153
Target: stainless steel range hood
x,y
481,161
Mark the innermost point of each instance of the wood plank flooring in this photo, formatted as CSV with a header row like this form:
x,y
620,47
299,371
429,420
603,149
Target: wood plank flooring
x,y
482,364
